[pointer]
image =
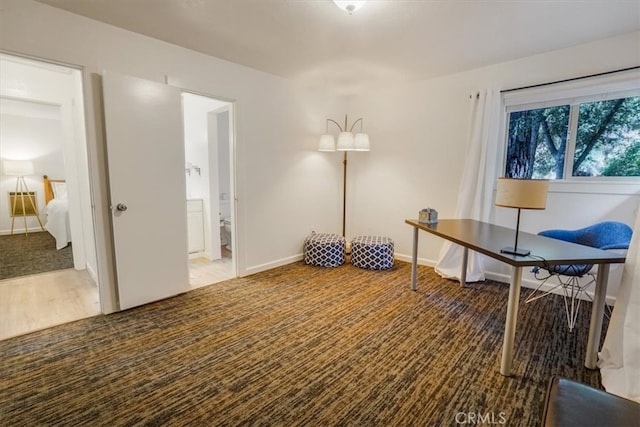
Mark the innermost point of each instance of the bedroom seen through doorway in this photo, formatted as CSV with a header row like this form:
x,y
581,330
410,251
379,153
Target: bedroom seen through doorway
x,y
47,277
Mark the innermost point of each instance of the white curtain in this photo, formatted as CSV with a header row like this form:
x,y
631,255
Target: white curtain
x,y
619,360
476,188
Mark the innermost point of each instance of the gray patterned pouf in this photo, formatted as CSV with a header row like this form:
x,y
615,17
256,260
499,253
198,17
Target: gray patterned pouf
x,y
324,250
372,252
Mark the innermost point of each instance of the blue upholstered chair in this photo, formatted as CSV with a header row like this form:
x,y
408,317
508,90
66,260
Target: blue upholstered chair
x,y
608,235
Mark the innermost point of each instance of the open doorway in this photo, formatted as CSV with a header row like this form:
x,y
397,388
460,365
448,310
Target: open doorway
x,y
208,139
42,132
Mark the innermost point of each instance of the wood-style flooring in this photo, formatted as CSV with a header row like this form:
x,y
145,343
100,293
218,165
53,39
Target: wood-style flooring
x,y
40,301
203,272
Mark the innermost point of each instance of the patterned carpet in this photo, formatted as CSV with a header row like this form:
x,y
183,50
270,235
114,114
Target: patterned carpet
x,y
24,254
297,346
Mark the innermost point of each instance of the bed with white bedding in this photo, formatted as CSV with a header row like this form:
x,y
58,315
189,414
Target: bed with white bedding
x,y
57,210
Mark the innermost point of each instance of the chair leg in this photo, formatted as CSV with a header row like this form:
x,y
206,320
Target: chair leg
x,y
531,297
572,290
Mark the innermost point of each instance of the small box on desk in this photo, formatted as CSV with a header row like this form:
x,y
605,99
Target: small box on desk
x,y
428,216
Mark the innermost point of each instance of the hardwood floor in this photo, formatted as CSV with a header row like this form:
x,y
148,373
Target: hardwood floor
x,y
203,272
39,301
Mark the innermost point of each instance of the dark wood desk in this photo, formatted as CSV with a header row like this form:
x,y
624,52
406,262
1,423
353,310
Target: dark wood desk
x,y
488,239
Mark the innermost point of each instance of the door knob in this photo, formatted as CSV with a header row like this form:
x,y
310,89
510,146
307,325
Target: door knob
x,y
121,207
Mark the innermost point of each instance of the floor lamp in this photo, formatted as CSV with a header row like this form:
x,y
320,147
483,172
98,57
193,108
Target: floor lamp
x,y
19,169
347,141
521,194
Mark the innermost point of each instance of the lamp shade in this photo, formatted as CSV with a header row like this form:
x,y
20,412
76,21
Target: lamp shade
x,y
18,167
327,143
522,193
346,142
361,142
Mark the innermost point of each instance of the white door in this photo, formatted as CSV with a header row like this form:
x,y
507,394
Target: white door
x,y
145,153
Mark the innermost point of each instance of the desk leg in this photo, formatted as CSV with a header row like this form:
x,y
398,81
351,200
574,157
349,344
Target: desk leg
x,y
465,261
511,321
597,311
414,260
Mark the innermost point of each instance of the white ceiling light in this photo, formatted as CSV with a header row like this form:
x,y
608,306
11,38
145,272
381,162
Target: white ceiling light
x,y
349,6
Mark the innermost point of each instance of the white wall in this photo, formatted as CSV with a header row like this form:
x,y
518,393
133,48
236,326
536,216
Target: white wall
x,y
419,134
195,109
284,186
224,172
34,138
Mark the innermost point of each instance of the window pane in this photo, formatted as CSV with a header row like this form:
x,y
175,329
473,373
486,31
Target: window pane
x,y
537,141
608,139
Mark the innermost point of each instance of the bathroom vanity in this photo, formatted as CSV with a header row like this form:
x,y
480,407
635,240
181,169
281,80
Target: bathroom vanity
x,y
195,225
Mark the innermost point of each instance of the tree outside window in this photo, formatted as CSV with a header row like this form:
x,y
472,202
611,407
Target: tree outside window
x,y
606,140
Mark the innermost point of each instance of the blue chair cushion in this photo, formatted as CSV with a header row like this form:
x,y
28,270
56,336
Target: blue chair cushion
x,y
570,270
603,235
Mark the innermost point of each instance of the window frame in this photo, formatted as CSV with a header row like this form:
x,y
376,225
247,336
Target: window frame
x,y
573,93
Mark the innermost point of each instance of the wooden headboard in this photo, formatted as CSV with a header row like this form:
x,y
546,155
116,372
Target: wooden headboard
x,y
48,190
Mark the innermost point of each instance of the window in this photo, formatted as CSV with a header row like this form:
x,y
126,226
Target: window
x,y
608,138
588,136
537,141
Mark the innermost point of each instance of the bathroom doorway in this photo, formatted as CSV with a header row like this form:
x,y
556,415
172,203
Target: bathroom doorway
x,y
209,154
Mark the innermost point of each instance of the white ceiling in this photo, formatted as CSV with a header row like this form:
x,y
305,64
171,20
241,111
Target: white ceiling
x,y
386,40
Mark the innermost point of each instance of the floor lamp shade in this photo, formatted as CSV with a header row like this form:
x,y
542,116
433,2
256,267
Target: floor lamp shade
x,y
18,167
361,142
327,143
347,141
521,194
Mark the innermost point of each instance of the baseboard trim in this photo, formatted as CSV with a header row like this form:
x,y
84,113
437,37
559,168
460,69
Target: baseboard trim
x,y
421,261
92,273
530,284
30,230
498,277
268,266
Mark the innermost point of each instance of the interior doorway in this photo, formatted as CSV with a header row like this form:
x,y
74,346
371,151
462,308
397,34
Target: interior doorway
x,y
209,154
42,126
